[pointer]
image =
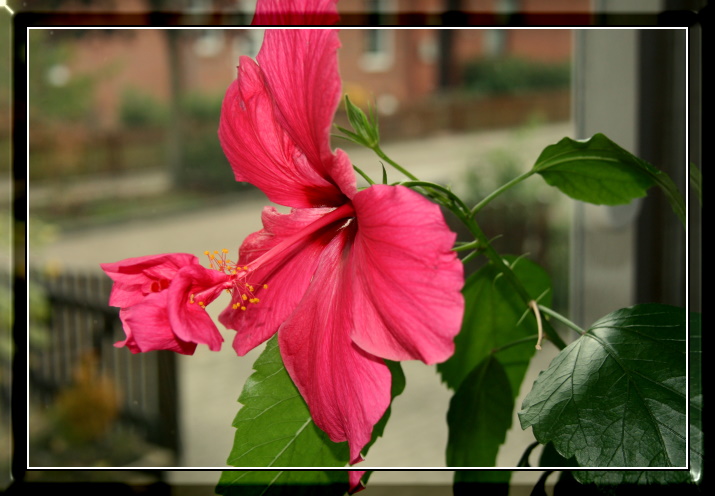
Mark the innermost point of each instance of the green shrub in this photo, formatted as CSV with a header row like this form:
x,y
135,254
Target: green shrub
x,y
514,75
68,101
204,165
140,109
201,108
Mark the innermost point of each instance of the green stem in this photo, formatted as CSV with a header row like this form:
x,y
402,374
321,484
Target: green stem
x,y
561,319
365,176
466,246
515,343
433,190
397,166
500,190
470,257
508,273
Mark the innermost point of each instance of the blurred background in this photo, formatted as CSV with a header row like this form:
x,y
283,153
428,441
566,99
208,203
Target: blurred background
x,y
124,161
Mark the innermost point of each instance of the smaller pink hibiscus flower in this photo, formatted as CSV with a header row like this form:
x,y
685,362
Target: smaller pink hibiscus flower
x,y
162,300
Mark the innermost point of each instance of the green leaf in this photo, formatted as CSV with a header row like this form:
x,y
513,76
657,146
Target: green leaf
x,y
616,397
551,458
599,171
274,429
491,320
283,483
479,416
694,475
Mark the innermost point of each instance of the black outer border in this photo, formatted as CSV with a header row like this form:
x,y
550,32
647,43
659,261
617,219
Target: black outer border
x,y
24,19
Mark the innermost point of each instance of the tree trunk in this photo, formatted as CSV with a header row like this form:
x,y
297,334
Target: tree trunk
x,y
174,130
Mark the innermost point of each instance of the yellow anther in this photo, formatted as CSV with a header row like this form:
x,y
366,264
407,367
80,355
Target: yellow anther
x,y
216,252
224,250
243,308
265,286
245,267
201,304
244,297
191,298
250,288
206,252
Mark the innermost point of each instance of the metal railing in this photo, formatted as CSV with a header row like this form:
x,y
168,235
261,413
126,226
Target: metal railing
x,y
80,329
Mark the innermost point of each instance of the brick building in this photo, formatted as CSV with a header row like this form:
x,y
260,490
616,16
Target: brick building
x,y
390,66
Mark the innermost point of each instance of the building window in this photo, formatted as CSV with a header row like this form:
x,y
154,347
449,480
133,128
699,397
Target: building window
x,y
209,42
378,49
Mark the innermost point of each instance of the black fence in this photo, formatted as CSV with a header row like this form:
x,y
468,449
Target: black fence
x,y
76,336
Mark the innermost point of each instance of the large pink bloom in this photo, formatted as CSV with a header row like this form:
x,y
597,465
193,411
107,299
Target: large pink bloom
x,y
295,13
347,278
354,276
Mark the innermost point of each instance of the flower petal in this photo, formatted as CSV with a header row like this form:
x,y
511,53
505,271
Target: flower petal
x,y
147,327
189,321
405,278
355,481
301,69
287,275
134,278
295,12
346,389
259,150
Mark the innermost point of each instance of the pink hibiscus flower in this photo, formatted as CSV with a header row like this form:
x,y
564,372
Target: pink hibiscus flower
x,y
355,276
347,278
295,13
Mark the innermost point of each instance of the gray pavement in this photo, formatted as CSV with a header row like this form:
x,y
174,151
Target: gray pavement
x,y
210,382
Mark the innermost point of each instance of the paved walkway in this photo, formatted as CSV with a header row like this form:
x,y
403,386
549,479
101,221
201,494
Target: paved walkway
x,y
210,382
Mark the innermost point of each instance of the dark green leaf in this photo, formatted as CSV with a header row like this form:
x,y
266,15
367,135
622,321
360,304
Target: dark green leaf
x,y
479,416
488,482
599,171
552,458
492,312
274,429
616,397
694,475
